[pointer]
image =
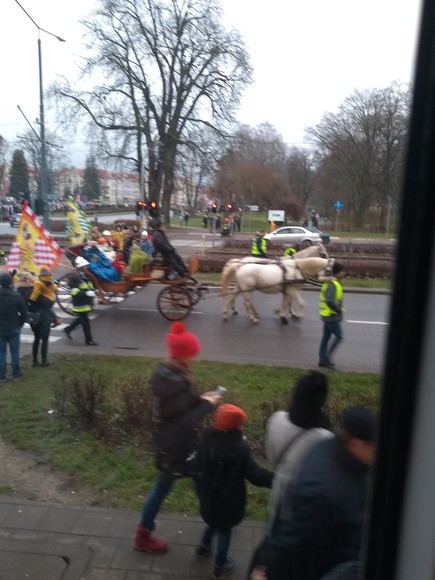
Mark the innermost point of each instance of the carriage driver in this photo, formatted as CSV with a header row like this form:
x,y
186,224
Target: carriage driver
x,y
259,246
167,250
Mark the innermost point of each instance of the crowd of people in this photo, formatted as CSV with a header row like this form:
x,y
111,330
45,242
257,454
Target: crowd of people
x,y
317,475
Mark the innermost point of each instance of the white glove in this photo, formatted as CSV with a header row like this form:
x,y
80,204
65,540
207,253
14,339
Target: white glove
x,y
90,293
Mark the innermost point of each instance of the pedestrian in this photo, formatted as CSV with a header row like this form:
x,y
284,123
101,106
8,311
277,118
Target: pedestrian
x,y
42,299
322,522
225,463
13,314
259,246
331,314
83,295
163,245
180,410
291,434
237,222
204,220
186,218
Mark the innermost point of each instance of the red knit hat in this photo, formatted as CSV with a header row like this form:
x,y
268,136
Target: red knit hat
x,y
181,344
229,417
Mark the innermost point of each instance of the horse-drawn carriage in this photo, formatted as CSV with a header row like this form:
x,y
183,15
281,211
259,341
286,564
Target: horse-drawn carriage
x,y
174,301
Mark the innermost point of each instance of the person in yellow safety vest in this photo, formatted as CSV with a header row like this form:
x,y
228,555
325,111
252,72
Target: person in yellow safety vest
x,y
331,314
82,294
259,246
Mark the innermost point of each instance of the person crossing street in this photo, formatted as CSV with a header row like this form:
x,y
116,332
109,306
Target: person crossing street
x,y
82,294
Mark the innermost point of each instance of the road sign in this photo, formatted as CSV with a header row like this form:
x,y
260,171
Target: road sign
x,y
338,205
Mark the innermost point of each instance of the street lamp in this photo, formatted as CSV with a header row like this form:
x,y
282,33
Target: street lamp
x,y
42,202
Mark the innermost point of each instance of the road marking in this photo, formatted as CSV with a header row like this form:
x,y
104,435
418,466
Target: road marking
x,y
154,310
28,338
367,322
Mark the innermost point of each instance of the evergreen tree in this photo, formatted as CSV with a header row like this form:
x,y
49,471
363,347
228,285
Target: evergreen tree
x,y
19,177
91,188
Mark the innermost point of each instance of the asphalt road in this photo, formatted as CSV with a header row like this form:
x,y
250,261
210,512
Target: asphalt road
x,y
135,326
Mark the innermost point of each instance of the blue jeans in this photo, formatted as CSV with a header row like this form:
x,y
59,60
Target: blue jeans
x,y
160,490
329,329
12,337
223,545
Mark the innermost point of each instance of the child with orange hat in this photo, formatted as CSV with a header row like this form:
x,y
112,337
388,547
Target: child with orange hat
x,y
226,463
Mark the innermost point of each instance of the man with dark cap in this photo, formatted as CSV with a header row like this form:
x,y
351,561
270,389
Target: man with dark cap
x,y
322,522
13,314
331,314
167,250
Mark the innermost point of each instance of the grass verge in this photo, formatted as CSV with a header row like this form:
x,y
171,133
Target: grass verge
x,y
118,462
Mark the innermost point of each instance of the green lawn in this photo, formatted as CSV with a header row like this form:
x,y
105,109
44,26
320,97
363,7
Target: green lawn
x,y
113,454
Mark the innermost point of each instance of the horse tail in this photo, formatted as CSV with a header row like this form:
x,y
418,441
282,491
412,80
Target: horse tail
x,y
227,276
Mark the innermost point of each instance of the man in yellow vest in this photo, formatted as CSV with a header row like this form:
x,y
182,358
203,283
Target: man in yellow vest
x,y
259,246
331,313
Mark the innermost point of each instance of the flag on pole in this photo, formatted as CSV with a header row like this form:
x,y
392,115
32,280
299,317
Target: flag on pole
x,y
33,246
78,225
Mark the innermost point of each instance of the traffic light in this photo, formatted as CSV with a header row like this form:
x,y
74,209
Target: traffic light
x,y
214,207
229,206
140,206
153,208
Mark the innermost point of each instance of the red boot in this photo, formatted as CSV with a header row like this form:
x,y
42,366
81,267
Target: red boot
x,y
144,541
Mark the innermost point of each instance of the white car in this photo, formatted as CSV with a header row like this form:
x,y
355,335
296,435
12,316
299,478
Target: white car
x,y
293,234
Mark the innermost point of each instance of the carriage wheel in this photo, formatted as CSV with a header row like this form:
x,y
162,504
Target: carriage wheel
x,y
63,294
196,291
174,303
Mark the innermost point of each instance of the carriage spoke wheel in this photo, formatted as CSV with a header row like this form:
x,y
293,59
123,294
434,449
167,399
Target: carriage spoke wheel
x,y
194,290
174,303
63,294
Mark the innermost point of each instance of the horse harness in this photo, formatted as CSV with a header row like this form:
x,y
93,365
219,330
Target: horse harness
x,y
305,277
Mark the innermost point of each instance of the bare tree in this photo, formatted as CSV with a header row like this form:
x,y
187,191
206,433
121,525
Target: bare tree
x,y
254,168
167,65
362,147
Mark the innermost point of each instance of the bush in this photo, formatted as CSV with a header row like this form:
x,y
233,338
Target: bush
x,y
84,394
135,403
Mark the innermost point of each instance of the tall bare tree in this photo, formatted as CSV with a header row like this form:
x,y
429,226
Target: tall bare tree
x,y
166,65
362,146
254,170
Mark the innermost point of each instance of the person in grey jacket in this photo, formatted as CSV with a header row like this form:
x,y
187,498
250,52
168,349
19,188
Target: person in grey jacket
x,y
13,314
323,518
291,434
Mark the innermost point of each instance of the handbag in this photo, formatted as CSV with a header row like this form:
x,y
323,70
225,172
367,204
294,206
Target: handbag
x,y
34,318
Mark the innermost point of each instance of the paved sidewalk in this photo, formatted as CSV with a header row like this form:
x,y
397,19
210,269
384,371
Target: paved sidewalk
x,y
45,541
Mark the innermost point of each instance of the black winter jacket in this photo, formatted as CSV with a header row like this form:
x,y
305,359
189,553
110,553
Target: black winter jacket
x,y
324,519
180,408
13,311
225,463
161,243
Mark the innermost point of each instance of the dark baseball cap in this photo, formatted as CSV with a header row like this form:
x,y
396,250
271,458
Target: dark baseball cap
x,y
5,280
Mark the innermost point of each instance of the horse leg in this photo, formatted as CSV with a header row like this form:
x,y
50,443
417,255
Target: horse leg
x,y
282,310
296,295
232,301
253,316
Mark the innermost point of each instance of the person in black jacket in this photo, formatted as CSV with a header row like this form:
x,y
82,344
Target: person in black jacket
x,y
176,436
167,250
226,462
13,314
322,525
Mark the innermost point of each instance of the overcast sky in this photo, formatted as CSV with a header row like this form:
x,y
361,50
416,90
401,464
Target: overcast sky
x,y
308,56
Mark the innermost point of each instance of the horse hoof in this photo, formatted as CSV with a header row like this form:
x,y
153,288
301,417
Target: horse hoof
x,y
255,321
235,313
284,320
225,318
296,318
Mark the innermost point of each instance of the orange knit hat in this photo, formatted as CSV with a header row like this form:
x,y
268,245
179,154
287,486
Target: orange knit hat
x,y
229,417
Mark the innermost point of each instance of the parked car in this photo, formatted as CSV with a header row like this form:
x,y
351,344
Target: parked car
x,y
14,220
297,234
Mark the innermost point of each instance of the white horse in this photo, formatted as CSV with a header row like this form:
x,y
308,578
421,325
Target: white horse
x,y
294,292
286,275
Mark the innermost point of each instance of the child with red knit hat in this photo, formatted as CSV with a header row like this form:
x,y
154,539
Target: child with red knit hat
x,y
226,462
180,411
